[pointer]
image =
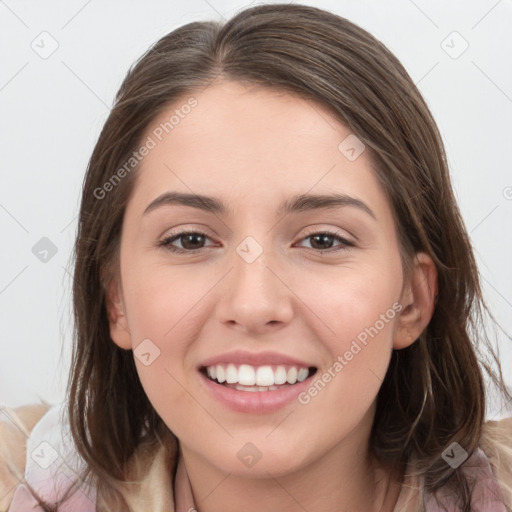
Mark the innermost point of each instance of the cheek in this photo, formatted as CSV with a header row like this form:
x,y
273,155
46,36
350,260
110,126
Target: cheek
x,y
163,317
162,303
356,305
360,310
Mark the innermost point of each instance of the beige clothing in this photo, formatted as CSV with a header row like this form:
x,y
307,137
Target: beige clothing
x,y
154,490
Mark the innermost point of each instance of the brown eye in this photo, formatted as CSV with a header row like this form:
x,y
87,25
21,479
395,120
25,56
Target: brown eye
x,y
325,241
188,241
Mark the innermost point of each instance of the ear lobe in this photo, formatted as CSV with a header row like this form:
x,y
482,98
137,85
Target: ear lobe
x,y
418,300
119,330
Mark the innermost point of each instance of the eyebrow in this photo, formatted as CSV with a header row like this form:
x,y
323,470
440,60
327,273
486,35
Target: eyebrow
x,y
298,203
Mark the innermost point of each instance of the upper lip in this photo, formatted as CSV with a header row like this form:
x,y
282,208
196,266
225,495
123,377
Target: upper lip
x,y
255,359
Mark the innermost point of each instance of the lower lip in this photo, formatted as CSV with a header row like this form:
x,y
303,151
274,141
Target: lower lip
x,y
257,402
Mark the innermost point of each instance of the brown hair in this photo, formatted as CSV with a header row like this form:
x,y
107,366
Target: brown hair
x,y
433,392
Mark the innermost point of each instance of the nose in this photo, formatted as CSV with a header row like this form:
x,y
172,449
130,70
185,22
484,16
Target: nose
x,y
255,297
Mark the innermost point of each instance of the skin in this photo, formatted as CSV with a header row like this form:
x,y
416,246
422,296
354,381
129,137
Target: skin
x,y
253,148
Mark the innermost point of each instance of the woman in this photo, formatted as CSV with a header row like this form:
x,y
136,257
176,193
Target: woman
x,y
276,301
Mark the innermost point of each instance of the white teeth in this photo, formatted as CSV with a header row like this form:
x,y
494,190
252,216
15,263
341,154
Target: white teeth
x,y
250,389
302,375
246,375
291,377
255,388
221,376
231,374
280,375
263,378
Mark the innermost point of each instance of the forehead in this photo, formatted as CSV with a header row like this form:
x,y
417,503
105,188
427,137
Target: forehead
x,y
252,144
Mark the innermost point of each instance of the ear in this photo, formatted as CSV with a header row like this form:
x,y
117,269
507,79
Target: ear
x,y
119,330
418,301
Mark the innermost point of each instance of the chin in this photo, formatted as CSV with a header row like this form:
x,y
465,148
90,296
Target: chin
x,y
260,459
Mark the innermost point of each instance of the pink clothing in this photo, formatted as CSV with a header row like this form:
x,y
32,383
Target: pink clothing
x,y
52,465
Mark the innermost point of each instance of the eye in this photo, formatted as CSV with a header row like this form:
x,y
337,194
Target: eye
x,y
192,241
189,241
323,241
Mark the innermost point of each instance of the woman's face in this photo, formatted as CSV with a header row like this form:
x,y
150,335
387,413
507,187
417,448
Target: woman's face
x,y
293,263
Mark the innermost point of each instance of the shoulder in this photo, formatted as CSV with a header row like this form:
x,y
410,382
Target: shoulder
x,y
149,471
38,450
496,442
15,428
488,470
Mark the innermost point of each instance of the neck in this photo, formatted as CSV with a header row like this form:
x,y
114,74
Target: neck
x,y
346,479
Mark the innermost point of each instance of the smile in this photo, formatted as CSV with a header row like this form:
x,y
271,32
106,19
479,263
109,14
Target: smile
x,y
264,389
245,377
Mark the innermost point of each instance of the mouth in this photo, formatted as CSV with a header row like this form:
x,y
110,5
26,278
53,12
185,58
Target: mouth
x,y
264,378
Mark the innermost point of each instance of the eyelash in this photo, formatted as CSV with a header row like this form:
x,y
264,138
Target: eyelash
x,y
166,243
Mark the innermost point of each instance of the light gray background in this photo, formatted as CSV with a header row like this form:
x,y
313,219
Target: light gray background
x,y
52,110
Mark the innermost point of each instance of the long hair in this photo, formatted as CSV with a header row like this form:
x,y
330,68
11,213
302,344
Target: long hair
x,y
433,392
